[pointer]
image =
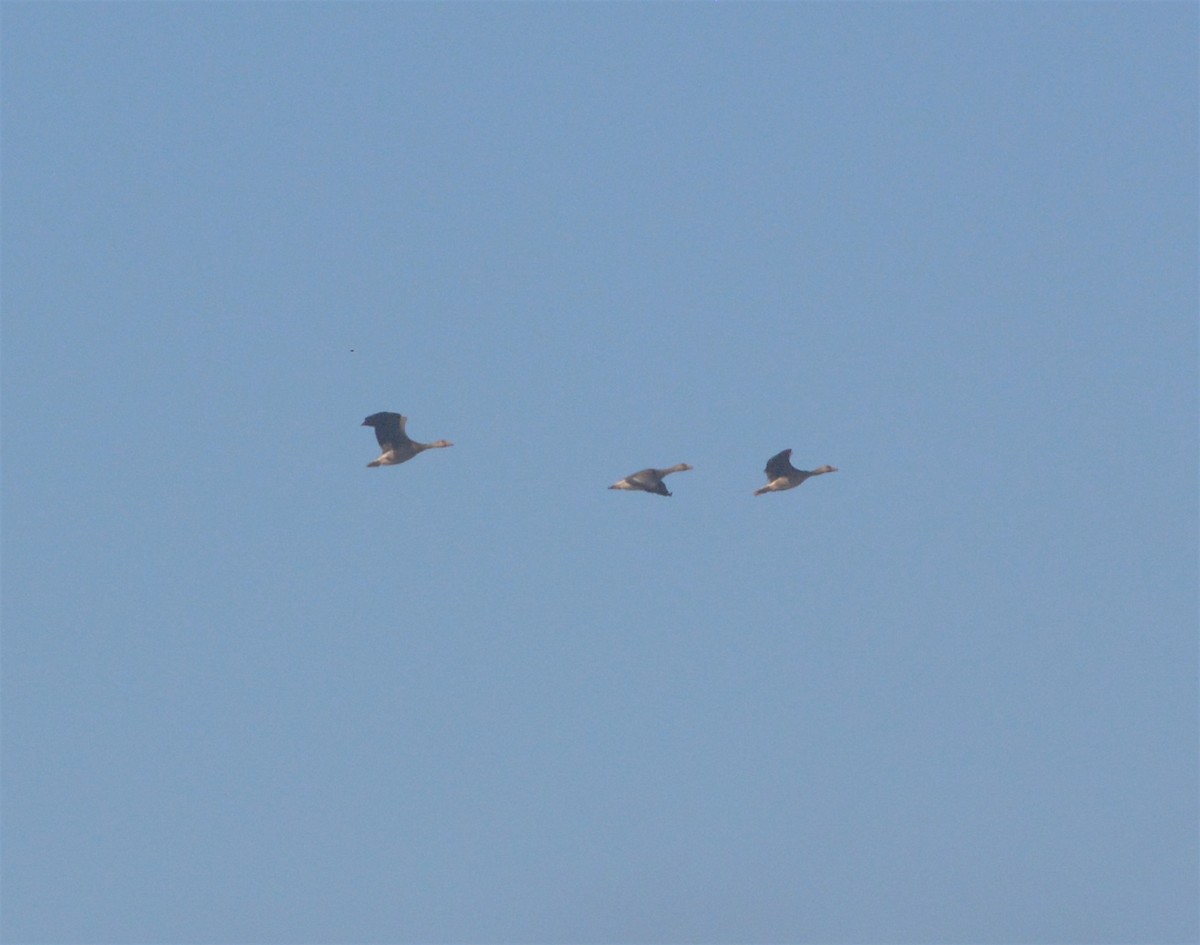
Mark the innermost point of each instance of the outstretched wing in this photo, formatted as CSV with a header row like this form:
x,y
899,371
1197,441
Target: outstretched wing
x,y
389,428
779,466
650,481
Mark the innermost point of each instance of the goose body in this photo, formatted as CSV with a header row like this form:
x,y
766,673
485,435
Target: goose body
x,y
649,480
781,474
397,447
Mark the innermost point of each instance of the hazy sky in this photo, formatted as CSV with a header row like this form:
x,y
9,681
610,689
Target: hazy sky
x,y
254,692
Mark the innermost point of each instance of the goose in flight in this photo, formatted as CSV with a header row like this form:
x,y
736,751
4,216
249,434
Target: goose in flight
x,y
781,474
649,480
396,446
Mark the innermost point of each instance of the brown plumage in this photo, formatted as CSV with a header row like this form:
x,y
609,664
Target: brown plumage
x,y
649,480
397,447
781,474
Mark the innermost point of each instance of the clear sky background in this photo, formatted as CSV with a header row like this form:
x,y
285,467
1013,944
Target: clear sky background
x,y
254,692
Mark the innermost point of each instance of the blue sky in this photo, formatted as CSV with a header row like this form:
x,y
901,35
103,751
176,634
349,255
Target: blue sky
x,y
254,692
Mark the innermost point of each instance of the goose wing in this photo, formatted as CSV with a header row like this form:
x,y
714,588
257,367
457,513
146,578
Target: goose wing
x,y
389,429
780,466
652,481
647,479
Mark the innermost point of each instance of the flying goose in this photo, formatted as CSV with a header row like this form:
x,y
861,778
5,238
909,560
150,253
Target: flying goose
x,y
649,480
781,474
396,446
